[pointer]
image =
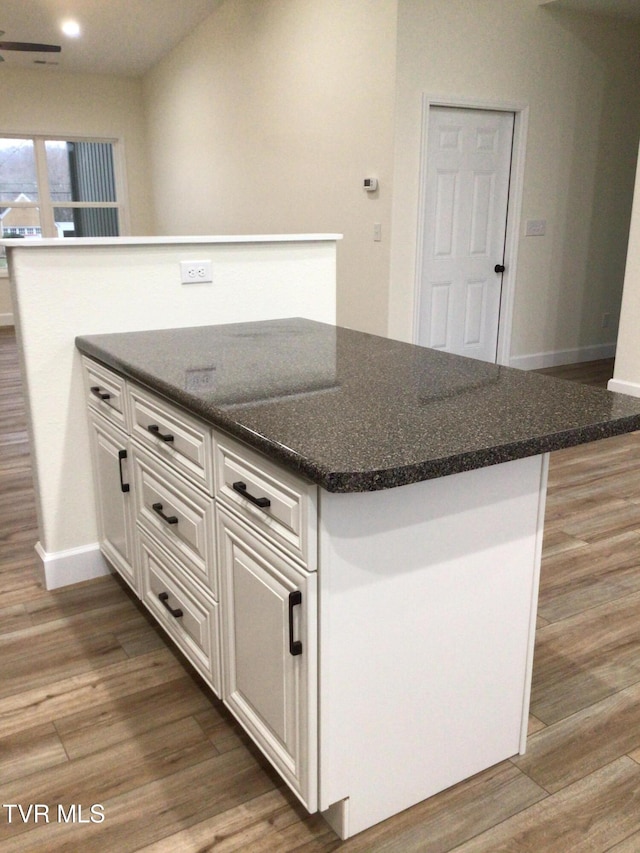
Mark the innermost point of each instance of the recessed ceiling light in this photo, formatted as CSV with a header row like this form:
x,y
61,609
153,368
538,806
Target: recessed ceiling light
x,y
71,28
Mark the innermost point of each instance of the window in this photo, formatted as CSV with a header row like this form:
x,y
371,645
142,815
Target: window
x,y
58,188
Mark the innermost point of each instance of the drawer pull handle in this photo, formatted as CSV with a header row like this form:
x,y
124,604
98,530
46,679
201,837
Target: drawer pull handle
x,y
241,488
101,395
174,611
295,646
170,519
124,487
154,429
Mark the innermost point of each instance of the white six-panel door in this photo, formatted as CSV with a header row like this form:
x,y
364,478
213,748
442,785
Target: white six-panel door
x,y
468,167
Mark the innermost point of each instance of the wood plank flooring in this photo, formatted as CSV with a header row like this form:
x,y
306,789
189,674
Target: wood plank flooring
x,y
96,709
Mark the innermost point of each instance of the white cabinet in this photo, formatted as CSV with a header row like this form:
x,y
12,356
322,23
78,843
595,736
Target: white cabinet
x,y
277,504
154,484
186,612
105,392
111,457
178,515
267,551
269,651
112,469
234,586
172,435
376,646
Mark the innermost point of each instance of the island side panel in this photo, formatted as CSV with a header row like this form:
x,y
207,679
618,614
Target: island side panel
x,y
427,603
61,291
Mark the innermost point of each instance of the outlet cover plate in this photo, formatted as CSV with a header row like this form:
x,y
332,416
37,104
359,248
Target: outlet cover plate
x,y
194,272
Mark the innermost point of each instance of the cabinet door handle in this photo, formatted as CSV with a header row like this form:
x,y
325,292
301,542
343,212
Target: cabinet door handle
x,y
174,611
295,646
241,488
154,429
170,519
101,395
124,487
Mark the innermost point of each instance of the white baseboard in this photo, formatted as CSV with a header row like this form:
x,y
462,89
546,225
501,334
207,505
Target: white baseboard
x,y
6,320
67,567
337,816
557,358
623,387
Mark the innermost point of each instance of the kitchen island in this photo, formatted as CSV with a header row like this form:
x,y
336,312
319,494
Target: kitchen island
x,y
376,525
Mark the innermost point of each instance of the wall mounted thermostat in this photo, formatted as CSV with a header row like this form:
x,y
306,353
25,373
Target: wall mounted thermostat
x,y
370,184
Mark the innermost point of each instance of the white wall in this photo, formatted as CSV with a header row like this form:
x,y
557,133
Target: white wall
x,y
62,289
55,103
270,114
268,117
626,376
578,75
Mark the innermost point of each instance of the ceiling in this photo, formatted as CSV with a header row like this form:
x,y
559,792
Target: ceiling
x,y
629,9
123,37
128,37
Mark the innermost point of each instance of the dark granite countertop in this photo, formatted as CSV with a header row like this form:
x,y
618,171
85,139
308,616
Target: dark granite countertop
x,y
355,412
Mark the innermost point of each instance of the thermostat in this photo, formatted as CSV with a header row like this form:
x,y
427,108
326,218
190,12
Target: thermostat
x,y
370,184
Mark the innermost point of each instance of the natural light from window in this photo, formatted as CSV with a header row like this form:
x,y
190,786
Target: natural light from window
x,y
57,188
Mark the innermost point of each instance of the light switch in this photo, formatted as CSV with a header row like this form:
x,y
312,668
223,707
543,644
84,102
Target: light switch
x,y
536,228
377,232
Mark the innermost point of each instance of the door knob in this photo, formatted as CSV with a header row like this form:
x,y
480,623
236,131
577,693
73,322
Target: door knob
x,y
499,268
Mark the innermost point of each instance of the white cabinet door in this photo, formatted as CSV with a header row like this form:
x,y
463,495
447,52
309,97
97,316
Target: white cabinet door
x,y
113,480
270,652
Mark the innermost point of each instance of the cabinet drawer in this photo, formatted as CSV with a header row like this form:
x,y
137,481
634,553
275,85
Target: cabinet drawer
x,y
189,618
183,441
180,516
106,392
245,479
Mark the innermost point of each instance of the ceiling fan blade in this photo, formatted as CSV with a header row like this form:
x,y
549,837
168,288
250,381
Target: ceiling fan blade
x,y
31,46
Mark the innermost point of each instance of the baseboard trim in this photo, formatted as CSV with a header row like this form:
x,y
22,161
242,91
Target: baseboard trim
x,y
622,387
66,567
557,358
337,816
6,320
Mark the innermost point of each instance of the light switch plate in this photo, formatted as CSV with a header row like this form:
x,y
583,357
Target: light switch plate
x,y
536,228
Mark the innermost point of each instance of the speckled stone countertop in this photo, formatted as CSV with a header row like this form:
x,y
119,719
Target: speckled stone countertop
x,y
355,412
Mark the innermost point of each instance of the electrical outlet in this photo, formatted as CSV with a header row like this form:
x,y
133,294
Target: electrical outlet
x,y
195,271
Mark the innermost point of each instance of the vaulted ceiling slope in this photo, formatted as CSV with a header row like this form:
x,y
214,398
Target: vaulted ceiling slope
x,y
629,9
128,37
121,37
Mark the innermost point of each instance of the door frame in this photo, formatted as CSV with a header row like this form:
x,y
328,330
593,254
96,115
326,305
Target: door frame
x,y
512,235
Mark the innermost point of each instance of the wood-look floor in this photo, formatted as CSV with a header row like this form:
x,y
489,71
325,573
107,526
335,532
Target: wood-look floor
x,y
96,709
